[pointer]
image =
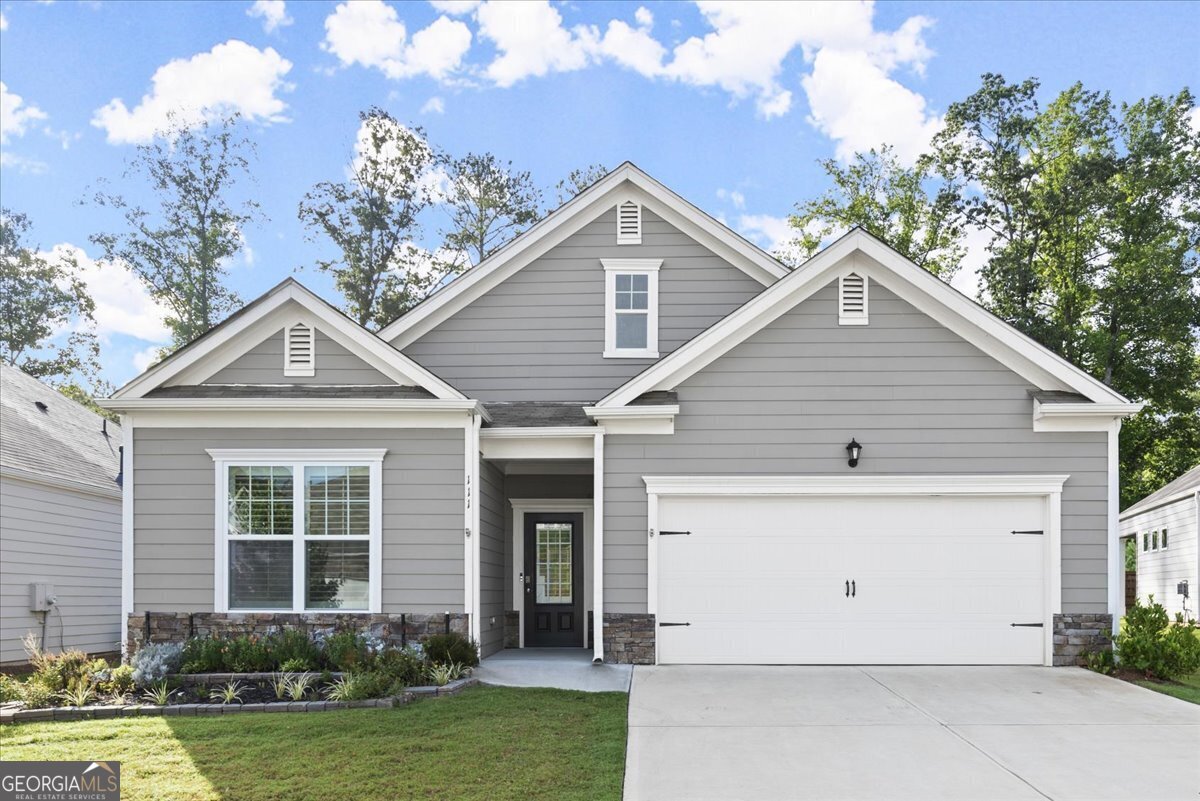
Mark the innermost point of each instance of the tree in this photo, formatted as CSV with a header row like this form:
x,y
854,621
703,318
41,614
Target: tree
x,y
180,248
890,201
578,180
43,296
489,203
372,218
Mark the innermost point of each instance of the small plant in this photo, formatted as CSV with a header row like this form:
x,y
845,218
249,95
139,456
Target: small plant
x,y
296,664
247,654
442,649
155,661
346,651
350,687
36,693
280,682
158,693
80,694
10,689
299,685
119,680
204,655
230,693
1100,661
1150,644
293,647
404,666
441,675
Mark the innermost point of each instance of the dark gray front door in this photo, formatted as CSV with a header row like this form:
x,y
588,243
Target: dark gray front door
x,y
553,579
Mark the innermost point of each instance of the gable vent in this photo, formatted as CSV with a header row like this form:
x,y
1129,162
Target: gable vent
x,y
852,299
299,351
629,223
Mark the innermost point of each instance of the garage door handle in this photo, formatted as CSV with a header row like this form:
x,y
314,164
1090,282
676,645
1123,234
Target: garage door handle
x,y
853,589
847,589
674,624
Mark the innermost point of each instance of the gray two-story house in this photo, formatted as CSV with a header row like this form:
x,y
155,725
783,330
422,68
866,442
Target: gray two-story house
x,y
632,431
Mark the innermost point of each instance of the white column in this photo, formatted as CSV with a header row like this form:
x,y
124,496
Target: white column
x,y
127,426
1116,559
598,548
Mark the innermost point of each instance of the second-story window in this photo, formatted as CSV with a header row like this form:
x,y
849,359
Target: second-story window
x,y
631,308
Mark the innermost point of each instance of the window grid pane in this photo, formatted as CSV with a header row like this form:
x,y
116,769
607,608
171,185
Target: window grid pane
x,y
260,574
554,563
337,574
631,330
260,500
337,501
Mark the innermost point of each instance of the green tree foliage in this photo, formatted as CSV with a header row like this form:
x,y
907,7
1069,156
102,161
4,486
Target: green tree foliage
x,y
180,247
578,180
1095,217
488,203
876,192
47,311
372,219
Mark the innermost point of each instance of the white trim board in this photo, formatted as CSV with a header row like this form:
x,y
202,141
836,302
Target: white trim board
x,y
862,253
523,506
626,182
287,303
1047,486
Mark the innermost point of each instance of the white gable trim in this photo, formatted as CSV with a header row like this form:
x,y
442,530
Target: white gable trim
x,y
627,182
862,253
225,343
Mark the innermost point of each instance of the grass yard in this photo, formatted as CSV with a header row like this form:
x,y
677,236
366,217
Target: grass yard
x,y
1186,688
487,743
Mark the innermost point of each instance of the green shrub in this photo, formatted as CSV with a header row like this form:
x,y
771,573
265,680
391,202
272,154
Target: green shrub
x,y
204,655
37,694
10,689
444,649
1152,645
403,666
296,665
346,651
247,654
293,646
358,687
1100,661
119,680
153,662
63,671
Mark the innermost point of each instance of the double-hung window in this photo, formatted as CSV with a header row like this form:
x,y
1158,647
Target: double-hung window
x,y
298,530
631,308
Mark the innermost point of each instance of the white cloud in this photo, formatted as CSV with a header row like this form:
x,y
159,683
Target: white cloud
x,y
371,34
532,41
144,358
966,280
434,105
1194,119
733,196
769,233
272,12
454,7
643,17
232,77
22,164
3,22
16,115
633,48
123,306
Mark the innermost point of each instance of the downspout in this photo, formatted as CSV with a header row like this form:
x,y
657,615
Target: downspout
x,y
598,548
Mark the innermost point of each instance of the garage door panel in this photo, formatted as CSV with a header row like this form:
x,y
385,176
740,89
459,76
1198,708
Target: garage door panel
x,y
936,579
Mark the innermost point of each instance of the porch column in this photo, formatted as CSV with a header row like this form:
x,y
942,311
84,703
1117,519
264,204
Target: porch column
x,y
598,548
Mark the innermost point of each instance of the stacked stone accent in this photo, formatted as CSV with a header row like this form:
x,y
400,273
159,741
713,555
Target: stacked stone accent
x,y
512,629
1079,633
394,629
629,638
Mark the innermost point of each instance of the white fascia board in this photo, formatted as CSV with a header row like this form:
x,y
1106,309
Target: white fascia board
x,y
284,405
1080,416
295,413
856,485
550,443
635,419
860,252
226,343
545,432
626,182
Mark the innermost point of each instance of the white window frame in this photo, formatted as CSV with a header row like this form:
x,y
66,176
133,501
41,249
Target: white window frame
x,y
613,268
223,459
291,368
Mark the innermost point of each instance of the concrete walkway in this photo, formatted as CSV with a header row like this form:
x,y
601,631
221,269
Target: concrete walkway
x,y
561,668
927,733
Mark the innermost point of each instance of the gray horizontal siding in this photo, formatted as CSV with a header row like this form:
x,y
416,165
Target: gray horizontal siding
x,y
491,558
174,527
263,364
919,398
73,541
540,334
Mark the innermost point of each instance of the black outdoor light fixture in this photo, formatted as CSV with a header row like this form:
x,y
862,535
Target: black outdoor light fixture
x,y
854,449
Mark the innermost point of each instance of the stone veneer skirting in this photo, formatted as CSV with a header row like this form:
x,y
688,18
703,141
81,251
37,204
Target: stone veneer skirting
x,y
629,638
1079,633
512,629
396,630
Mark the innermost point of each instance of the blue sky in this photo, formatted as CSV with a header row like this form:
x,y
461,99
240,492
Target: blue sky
x,y
729,104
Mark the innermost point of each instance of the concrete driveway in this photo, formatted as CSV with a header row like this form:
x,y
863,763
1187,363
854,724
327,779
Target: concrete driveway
x,y
927,733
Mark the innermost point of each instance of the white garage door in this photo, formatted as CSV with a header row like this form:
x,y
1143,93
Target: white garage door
x,y
851,580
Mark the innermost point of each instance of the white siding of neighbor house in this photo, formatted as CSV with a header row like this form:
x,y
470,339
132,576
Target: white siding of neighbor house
x,y
539,335
920,399
263,364
1159,572
175,529
72,540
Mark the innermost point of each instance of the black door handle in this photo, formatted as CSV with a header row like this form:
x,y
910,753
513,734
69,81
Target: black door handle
x,y
847,589
853,589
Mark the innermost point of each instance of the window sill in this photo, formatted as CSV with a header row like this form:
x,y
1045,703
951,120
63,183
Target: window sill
x,y
631,354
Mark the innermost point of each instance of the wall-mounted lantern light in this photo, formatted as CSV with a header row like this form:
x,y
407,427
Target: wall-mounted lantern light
x,y
854,449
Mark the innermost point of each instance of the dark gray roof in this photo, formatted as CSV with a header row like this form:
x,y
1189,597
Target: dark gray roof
x,y
393,391
1057,396
536,414
1188,481
659,397
66,441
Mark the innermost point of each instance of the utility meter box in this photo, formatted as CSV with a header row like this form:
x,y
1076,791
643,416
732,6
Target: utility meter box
x,y
1182,588
41,596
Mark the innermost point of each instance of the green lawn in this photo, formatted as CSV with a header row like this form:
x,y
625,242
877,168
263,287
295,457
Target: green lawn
x,y
487,743
1186,688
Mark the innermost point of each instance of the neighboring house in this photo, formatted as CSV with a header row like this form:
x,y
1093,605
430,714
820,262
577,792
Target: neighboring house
x,y
1164,526
60,521
631,409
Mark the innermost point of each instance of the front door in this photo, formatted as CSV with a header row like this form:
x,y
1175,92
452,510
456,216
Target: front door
x,y
553,586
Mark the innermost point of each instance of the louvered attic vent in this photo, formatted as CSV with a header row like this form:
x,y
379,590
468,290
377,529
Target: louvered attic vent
x,y
629,223
299,351
852,299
